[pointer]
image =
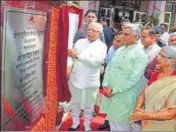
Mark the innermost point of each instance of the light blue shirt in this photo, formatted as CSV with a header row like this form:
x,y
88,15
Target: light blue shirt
x,y
110,54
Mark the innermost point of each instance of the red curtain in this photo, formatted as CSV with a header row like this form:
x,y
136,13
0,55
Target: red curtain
x,y
63,92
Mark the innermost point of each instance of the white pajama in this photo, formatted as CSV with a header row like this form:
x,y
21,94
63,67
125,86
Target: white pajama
x,y
84,80
82,99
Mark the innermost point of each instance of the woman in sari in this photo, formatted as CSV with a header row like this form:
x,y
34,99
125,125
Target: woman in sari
x,y
159,97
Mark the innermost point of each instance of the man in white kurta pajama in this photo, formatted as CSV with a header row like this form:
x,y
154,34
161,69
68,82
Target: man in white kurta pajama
x,y
89,55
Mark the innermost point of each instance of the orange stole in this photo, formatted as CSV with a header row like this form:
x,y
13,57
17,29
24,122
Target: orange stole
x,y
48,122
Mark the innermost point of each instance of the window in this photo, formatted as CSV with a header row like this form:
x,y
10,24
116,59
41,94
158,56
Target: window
x,y
174,7
167,17
169,7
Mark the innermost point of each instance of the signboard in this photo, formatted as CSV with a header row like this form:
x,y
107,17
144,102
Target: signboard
x,y
22,68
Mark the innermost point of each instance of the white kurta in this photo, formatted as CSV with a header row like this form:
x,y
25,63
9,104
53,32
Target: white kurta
x,y
86,70
85,79
165,37
140,43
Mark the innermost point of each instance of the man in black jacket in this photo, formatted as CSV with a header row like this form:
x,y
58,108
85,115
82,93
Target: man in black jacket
x,y
108,35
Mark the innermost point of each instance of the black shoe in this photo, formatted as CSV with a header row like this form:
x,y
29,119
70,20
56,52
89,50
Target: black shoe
x,y
73,129
104,126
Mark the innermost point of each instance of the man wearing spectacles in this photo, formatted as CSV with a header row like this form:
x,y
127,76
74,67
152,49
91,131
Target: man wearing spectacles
x,y
88,55
172,39
90,16
117,43
121,79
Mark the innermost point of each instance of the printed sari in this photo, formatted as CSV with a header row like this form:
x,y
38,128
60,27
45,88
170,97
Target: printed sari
x,y
160,96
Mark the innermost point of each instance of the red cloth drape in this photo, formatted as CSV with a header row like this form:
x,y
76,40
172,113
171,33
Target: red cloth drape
x,y
63,92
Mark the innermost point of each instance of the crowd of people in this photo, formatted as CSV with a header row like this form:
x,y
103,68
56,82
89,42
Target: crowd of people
x,y
135,66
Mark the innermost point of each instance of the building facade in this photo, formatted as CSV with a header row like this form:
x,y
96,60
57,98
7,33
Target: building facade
x,y
165,11
159,11
114,11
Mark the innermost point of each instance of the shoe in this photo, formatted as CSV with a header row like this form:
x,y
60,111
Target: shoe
x,y
104,126
73,129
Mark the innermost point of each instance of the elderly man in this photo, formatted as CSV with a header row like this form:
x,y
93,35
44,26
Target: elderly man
x,y
90,16
117,43
172,39
121,80
89,55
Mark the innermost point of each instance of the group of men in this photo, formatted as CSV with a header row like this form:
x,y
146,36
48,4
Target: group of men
x,y
129,62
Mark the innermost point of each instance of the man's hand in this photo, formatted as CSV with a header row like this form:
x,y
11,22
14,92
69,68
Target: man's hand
x,y
72,53
108,92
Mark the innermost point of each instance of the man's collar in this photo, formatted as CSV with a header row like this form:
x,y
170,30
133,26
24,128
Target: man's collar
x,y
130,45
151,45
92,41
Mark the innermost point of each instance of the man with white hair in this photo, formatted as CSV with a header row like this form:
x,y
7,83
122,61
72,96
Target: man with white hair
x,y
121,80
88,55
172,39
